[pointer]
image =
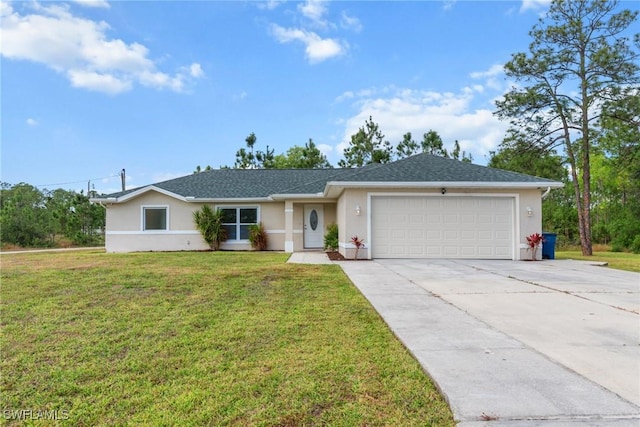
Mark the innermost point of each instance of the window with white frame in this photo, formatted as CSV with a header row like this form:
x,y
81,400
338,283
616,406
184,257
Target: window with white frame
x,y
236,220
154,218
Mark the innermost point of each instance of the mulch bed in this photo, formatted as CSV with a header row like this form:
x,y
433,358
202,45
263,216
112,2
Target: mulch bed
x,y
337,256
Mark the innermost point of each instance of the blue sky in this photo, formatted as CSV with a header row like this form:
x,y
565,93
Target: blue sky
x,y
158,87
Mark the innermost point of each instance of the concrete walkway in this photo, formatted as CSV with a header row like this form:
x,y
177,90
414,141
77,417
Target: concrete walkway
x,y
309,258
454,318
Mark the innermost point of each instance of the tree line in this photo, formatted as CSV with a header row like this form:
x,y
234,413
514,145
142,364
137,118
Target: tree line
x,y
368,145
30,217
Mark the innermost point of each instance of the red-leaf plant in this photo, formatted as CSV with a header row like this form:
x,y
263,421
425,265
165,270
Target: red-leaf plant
x,y
534,241
358,243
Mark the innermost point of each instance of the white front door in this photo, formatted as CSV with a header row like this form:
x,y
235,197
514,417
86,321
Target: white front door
x,y
313,226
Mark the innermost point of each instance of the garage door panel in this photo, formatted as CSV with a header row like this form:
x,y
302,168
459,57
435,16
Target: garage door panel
x,y
503,252
503,235
451,251
468,251
416,250
416,219
418,235
485,219
434,235
399,219
442,227
399,234
434,251
468,219
451,219
485,235
451,235
434,219
485,251
468,235
503,219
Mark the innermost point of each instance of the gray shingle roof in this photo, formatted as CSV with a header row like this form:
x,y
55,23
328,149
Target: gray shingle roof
x,y
261,183
429,168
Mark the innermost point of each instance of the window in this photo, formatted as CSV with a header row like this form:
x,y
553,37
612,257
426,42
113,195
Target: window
x,y
237,221
154,218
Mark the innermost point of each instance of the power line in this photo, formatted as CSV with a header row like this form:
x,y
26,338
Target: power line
x,y
78,182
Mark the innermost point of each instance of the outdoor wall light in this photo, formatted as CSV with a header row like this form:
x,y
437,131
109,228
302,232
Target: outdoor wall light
x,y
529,211
358,210
443,191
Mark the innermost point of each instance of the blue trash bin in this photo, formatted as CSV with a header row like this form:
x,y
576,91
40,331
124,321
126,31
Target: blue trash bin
x,y
549,246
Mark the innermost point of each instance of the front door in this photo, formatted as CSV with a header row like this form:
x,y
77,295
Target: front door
x,y
313,226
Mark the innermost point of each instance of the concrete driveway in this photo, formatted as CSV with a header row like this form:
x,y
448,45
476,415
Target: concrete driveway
x,y
515,342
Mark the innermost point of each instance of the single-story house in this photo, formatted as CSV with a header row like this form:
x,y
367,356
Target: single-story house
x,y
423,206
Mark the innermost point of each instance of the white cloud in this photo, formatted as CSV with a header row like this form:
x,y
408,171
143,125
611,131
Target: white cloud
x,y
80,49
452,115
492,77
534,5
32,122
269,5
317,49
91,80
311,19
93,3
493,71
196,70
240,96
363,93
350,22
448,4
344,96
314,10
325,149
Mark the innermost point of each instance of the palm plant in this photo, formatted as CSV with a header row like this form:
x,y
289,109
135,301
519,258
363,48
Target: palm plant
x,y
258,237
209,224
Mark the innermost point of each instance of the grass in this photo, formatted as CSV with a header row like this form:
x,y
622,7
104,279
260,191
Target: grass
x,y
618,260
201,339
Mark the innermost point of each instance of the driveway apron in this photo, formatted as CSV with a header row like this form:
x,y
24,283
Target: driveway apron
x,y
550,343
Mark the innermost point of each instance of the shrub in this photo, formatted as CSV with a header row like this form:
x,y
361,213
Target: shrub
x,y
635,245
258,237
358,243
209,224
534,241
624,231
331,237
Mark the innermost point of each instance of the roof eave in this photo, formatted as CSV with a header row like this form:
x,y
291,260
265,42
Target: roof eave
x,y
297,196
340,185
136,193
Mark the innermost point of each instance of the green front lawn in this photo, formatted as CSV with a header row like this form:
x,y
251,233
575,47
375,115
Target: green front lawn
x,y
618,260
201,339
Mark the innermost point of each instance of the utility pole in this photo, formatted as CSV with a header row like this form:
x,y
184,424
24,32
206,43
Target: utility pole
x,y
123,178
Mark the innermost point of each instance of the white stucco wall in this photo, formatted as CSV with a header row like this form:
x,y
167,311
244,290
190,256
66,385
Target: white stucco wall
x,y
351,224
124,231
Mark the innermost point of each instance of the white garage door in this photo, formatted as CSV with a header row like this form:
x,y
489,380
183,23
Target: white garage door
x,y
442,227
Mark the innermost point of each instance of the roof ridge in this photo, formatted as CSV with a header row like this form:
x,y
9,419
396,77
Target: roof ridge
x,y
338,171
